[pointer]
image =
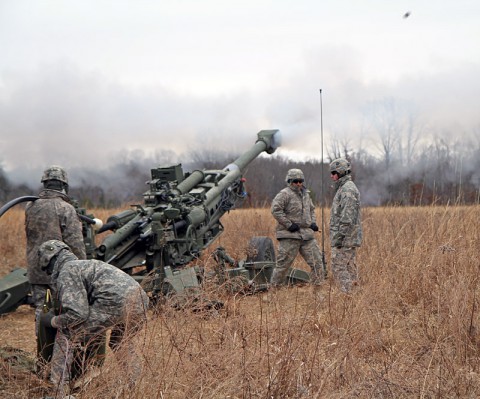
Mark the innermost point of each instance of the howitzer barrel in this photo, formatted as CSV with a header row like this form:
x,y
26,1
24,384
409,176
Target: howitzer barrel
x,y
267,141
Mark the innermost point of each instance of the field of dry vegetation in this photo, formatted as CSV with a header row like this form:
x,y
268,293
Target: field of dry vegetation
x,y
412,330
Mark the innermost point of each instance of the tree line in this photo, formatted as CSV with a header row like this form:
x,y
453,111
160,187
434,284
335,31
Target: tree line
x,y
397,159
438,175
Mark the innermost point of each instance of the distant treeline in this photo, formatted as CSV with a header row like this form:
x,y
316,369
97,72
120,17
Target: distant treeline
x,y
437,177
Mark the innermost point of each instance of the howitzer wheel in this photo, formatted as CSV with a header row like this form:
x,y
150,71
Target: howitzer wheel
x,y
261,249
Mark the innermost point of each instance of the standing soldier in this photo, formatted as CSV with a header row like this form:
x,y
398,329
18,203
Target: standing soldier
x,y
92,297
345,225
51,217
296,223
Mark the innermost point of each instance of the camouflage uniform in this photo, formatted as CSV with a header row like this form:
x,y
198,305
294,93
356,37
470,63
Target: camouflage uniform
x,y
94,296
345,231
293,205
50,217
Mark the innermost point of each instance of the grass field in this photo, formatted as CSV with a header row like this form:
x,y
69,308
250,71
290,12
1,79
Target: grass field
x,y
410,331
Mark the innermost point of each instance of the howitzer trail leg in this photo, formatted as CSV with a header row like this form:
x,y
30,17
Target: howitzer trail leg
x,y
15,290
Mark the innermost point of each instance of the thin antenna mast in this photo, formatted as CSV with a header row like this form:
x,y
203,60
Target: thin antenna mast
x,y
324,263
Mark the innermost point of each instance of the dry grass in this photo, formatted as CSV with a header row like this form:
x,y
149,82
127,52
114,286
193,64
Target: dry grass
x,y
411,331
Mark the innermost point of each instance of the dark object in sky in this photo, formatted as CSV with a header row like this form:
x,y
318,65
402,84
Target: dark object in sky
x,y
407,14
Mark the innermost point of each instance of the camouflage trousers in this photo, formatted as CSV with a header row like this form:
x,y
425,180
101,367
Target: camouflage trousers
x,y
344,268
288,250
73,354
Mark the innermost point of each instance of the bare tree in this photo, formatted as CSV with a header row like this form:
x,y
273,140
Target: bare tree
x,y
387,124
339,148
413,134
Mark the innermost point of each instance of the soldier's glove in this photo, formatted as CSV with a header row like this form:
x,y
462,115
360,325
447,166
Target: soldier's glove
x,y
293,227
46,319
314,227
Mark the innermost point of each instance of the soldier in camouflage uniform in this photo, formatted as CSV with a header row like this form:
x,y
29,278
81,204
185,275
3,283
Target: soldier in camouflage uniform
x,y
345,225
296,224
92,296
51,217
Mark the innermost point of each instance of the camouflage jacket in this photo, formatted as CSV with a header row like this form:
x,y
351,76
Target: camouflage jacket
x,y
345,216
93,295
294,206
51,217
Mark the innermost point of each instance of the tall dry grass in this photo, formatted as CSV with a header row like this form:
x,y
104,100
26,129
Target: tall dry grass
x,y
410,331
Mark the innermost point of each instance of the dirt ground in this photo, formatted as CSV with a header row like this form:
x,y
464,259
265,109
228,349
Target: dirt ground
x,y
17,329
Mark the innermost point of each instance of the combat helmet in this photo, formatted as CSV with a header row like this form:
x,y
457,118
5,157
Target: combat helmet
x,y
340,165
294,174
48,250
55,172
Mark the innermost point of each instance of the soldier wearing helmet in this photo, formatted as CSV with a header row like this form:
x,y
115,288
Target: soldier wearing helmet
x,y
55,177
52,216
345,225
294,212
92,296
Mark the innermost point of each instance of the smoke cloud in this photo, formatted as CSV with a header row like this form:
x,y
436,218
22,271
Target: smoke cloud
x,y
61,114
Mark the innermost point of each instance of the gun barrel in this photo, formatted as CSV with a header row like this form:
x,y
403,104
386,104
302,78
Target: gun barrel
x,y
267,141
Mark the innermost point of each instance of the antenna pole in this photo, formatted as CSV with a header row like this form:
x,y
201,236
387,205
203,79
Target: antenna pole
x,y
324,263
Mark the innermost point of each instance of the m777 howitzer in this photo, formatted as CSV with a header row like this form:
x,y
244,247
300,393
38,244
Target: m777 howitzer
x,y
154,242
180,217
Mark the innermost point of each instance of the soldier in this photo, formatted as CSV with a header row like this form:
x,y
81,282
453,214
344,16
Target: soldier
x,y
345,225
92,297
294,211
50,217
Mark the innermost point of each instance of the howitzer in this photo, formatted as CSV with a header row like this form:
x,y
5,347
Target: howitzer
x,y
180,217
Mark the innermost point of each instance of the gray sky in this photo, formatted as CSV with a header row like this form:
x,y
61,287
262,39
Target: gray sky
x,y
83,83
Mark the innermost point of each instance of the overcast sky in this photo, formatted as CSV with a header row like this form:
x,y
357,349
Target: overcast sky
x,y
83,83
